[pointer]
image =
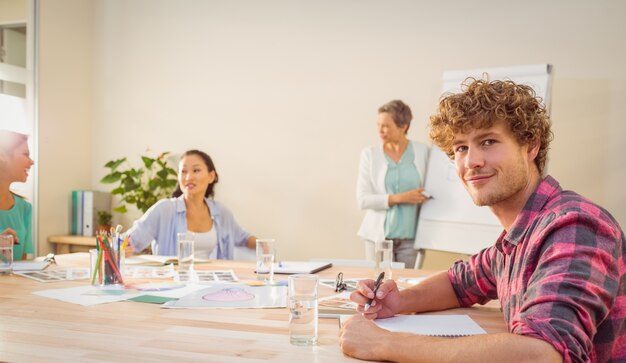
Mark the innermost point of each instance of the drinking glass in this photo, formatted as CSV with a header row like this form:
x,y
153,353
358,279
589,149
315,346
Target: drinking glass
x,y
185,255
6,253
303,311
265,255
383,256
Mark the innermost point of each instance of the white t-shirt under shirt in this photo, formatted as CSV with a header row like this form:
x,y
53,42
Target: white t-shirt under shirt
x,y
204,245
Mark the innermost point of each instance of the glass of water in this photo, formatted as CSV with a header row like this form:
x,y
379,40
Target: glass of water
x,y
185,255
265,255
6,253
383,252
303,309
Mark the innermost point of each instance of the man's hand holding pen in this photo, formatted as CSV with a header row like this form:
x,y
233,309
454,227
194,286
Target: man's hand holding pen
x,y
359,336
385,301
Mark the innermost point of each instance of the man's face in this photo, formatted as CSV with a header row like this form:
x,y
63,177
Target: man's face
x,y
493,167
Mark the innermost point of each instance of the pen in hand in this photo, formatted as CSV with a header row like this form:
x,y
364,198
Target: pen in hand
x,y
379,280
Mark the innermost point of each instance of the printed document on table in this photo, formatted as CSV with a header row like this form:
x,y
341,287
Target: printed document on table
x,y
233,296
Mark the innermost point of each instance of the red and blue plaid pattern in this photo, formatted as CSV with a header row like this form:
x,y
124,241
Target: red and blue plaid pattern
x,y
559,274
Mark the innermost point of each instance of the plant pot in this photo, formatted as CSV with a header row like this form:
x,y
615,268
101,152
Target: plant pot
x,y
104,227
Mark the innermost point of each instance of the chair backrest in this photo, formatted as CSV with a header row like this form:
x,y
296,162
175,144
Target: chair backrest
x,y
243,253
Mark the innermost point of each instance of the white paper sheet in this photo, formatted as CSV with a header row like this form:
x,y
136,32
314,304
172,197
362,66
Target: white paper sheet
x,y
433,325
87,295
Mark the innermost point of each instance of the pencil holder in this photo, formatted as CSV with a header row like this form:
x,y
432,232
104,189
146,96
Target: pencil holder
x,y
106,267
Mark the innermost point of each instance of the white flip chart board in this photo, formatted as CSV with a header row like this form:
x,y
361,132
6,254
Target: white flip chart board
x,y
451,221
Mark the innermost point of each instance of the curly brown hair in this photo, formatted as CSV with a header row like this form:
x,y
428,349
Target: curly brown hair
x,y
481,103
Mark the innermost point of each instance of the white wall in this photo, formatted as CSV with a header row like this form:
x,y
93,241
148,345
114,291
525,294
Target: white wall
x,y
65,111
13,10
283,94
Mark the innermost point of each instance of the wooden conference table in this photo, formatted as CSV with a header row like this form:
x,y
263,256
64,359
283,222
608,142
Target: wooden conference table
x,y
35,328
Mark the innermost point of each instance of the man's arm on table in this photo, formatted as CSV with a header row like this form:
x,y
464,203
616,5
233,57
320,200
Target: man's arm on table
x,y
362,339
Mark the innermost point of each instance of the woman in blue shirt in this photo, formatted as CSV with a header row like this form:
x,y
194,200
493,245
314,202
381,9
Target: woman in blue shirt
x,y
191,209
15,212
390,184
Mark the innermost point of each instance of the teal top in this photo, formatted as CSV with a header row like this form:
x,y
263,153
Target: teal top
x,y
19,218
401,219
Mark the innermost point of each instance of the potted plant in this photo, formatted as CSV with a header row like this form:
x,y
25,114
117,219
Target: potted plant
x,y
142,186
104,219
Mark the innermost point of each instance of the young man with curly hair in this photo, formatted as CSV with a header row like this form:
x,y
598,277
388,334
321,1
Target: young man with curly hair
x,y
557,268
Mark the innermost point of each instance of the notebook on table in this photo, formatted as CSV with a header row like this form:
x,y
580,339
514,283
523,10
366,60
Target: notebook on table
x,y
154,260
433,325
300,267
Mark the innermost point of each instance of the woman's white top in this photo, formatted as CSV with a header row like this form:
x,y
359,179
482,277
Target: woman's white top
x,y
370,188
204,245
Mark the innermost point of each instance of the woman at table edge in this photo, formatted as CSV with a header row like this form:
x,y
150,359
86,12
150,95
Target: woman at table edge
x,y
15,211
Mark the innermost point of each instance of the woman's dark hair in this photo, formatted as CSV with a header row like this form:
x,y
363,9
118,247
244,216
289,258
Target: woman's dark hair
x,y
210,166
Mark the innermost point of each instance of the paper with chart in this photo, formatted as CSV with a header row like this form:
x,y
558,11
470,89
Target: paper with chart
x,y
233,296
149,272
56,275
87,295
208,276
341,301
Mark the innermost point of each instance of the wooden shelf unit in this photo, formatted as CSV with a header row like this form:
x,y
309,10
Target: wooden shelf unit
x,y
68,244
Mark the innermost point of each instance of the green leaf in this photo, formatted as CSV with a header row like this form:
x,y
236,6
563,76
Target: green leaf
x,y
135,173
111,178
153,184
120,209
143,206
113,164
130,184
148,161
118,190
162,174
150,200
